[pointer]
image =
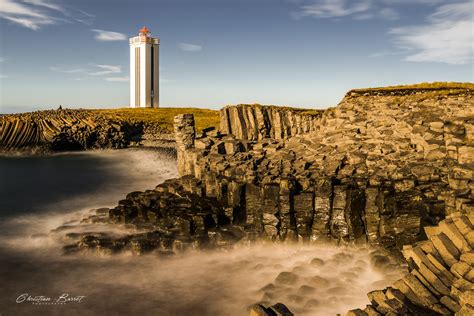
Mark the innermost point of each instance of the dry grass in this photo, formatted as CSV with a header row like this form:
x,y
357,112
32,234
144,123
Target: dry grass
x,y
425,86
163,116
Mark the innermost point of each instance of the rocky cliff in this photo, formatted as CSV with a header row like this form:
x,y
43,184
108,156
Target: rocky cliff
x,y
65,130
256,122
378,167
89,129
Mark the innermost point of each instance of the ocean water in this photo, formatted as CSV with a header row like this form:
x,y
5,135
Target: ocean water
x,y
38,194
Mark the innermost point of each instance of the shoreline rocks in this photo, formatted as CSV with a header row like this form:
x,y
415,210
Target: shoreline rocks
x,y
441,278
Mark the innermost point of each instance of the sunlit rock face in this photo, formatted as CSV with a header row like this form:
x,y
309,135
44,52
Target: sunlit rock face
x,y
379,167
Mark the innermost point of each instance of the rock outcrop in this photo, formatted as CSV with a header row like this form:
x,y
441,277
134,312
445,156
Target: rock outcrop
x,y
378,168
82,129
65,130
441,281
256,122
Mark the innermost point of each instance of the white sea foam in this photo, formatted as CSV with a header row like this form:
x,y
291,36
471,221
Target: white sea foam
x,y
192,283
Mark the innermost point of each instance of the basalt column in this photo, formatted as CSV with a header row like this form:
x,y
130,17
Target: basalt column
x,y
185,134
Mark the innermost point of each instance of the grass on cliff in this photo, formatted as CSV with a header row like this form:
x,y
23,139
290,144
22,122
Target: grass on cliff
x,y
422,87
163,117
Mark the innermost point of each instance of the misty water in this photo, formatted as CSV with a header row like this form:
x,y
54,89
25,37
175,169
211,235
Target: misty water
x,y
38,194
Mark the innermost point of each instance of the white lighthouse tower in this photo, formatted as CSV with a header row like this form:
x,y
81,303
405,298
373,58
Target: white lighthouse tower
x,y
144,70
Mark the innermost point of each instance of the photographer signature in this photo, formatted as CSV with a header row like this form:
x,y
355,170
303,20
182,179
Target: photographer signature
x,y
64,298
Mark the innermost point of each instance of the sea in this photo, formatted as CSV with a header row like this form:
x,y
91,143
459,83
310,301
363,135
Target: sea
x,y
41,193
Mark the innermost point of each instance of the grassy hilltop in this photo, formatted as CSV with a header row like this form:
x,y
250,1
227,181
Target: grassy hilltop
x,y
162,117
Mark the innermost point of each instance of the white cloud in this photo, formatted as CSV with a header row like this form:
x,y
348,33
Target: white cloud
x,y
106,69
67,71
31,14
335,8
447,36
187,47
117,79
389,14
96,71
357,9
394,2
102,35
46,4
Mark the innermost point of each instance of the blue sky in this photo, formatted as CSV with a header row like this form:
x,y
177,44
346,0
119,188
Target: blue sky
x,y
304,53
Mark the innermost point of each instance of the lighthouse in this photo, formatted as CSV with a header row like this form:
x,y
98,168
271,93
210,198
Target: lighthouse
x,y
144,70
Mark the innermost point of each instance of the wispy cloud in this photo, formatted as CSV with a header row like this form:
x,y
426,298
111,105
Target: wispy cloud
x,y
447,36
106,36
2,76
335,8
117,79
106,69
93,71
34,14
431,2
46,4
389,14
30,15
356,9
67,71
187,47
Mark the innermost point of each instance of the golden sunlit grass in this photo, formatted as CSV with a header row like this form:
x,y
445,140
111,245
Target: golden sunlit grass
x,y
163,117
433,86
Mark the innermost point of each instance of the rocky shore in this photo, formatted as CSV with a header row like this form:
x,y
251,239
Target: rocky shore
x,y
388,168
79,129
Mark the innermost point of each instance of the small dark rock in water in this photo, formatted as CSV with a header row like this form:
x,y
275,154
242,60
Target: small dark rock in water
x,y
336,290
286,278
312,303
102,211
348,276
306,290
295,298
317,262
268,287
380,262
258,266
356,270
319,281
300,270
268,296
